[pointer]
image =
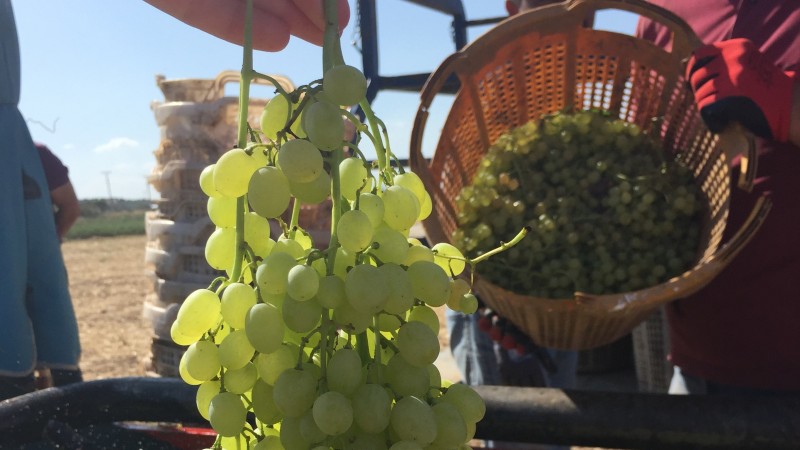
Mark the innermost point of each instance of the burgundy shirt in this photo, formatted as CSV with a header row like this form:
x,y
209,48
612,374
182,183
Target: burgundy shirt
x,y
55,172
743,329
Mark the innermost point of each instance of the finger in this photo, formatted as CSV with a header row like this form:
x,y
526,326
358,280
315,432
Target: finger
x,y
708,90
299,23
225,20
314,12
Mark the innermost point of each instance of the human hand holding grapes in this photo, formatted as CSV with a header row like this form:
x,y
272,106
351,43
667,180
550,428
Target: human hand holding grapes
x,y
276,20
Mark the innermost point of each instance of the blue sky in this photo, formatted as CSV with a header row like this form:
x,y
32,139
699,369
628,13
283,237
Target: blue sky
x,y
89,70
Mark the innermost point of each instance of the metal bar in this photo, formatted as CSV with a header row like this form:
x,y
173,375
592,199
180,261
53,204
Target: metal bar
x,y
414,82
451,7
638,420
369,41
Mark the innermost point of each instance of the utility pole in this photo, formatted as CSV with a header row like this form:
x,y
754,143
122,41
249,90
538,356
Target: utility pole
x,y
108,185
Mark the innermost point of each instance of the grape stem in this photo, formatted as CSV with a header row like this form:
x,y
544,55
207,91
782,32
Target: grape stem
x,y
244,102
501,248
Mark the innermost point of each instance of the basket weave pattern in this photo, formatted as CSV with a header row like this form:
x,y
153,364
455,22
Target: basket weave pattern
x,y
530,66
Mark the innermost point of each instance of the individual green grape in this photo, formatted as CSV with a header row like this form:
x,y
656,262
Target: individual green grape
x,y
302,282
292,435
371,205
413,420
333,413
313,192
301,317
468,402
232,173
275,115
413,183
459,287
271,365
388,322
205,392
180,337
406,379
256,234
418,344
401,293
469,304
264,327
237,299
344,371
235,351
273,273
449,258
344,85
401,208
372,408
451,429
183,372
392,245
268,192
220,248
198,313
222,211
202,360
295,391
300,161
207,181
241,380
365,288
269,443
264,406
426,315
331,292
353,176
418,253
425,207
292,247
350,319
322,122
354,231
430,283
227,414
344,260
310,430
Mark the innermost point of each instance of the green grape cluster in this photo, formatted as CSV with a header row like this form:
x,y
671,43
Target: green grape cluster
x,y
327,345
609,210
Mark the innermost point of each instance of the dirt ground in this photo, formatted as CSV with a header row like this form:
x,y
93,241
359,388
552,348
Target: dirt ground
x,y
108,286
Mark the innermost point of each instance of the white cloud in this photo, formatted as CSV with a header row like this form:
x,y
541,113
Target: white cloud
x,y
116,144
69,146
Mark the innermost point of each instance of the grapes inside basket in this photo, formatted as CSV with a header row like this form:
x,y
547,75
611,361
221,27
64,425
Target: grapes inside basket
x,y
539,64
607,208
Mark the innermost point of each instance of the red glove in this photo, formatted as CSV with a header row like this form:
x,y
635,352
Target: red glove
x,y
734,82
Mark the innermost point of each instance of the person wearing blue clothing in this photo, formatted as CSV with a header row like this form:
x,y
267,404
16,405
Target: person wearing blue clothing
x,y
38,322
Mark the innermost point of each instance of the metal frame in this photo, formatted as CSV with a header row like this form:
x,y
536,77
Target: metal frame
x,y
411,82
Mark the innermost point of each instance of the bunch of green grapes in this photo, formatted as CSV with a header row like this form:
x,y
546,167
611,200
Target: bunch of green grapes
x,y
608,209
326,346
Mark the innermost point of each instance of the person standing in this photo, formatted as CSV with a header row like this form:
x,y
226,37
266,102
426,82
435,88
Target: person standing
x,y
38,322
66,210
739,335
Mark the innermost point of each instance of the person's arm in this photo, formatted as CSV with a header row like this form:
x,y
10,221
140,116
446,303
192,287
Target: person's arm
x,y
277,19
67,208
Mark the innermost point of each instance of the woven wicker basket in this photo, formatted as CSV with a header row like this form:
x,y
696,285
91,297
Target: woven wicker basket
x,y
544,61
